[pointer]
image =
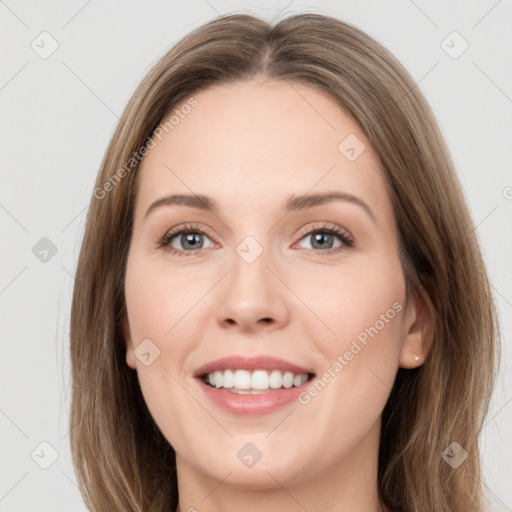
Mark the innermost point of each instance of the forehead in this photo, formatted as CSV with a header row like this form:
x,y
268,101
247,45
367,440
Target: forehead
x,y
253,143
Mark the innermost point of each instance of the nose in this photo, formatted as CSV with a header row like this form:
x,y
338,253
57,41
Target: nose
x,y
252,297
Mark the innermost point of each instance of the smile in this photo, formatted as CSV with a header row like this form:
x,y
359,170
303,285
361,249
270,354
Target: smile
x,y
256,382
244,399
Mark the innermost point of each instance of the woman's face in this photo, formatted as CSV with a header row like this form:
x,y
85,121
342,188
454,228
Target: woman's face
x,y
261,274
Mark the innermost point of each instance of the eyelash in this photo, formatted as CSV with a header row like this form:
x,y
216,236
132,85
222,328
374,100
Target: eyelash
x,y
347,239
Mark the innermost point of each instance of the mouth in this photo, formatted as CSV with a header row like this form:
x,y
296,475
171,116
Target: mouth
x,y
249,393
252,385
259,381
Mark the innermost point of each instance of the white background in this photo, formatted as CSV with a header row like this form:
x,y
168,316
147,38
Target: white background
x,y
57,115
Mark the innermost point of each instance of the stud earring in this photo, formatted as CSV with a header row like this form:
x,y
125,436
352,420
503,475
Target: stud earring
x,y
416,357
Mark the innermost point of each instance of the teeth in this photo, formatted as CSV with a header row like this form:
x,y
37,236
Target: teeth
x,y
228,379
259,380
245,382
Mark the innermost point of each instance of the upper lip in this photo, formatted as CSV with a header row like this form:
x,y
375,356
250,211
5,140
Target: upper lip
x,y
250,363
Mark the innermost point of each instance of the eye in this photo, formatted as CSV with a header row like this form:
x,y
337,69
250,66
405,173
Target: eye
x,y
323,238
189,240
189,237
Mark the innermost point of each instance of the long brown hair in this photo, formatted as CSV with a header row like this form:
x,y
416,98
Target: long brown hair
x,y
122,461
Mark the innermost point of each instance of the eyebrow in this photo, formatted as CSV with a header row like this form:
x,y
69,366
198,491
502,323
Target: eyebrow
x,y
293,202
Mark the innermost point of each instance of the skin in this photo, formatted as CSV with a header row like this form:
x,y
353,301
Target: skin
x,y
249,146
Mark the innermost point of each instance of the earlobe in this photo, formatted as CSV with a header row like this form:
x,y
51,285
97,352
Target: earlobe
x,y
418,328
130,357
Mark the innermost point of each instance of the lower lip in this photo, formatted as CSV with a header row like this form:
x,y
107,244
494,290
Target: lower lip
x,y
262,403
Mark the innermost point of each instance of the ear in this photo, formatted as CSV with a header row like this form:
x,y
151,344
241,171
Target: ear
x,y
130,356
418,329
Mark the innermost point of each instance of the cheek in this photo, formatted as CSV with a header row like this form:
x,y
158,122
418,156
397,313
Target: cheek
x,y
157,311
364,307
158,301
361,309
355,301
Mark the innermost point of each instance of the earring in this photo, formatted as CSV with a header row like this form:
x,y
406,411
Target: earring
x,y
416,357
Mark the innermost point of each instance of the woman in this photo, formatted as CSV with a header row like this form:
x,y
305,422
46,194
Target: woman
x,y
353,373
